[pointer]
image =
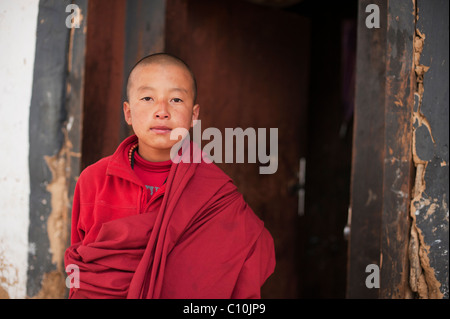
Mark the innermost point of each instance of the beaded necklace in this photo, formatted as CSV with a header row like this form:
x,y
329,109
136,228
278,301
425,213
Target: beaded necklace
x,y
131,154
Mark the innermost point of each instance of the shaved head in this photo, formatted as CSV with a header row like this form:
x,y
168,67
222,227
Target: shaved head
x,y
162,59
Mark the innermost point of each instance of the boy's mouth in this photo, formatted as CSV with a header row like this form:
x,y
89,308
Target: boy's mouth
x,y
161,129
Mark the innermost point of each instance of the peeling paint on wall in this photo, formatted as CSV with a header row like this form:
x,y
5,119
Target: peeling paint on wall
x,y
54,133
422,278
48,153
53,282
429,202
58,219
3,293
53,286
9,274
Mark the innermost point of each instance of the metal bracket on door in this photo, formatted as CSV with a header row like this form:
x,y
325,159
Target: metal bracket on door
x,y
348,227
301,186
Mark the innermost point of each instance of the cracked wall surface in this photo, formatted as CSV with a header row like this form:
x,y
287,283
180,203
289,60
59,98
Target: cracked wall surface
x,y
429,241
53,282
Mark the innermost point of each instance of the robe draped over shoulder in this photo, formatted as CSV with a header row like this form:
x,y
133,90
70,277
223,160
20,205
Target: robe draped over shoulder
x,y
199,239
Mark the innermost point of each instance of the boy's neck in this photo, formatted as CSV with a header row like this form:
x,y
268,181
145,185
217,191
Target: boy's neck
x,y
152,155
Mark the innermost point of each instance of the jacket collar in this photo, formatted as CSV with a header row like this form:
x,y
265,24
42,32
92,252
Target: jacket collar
x,y
119,164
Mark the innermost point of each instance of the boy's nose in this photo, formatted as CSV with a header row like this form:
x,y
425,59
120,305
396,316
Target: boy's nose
x,y
162,111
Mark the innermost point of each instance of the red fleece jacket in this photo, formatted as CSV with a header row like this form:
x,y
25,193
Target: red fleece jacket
x,y
195,238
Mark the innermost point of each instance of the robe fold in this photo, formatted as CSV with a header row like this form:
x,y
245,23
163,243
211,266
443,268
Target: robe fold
x,y
195,238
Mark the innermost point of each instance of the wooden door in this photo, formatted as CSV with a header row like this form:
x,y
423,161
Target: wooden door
x,y
397,220
251,64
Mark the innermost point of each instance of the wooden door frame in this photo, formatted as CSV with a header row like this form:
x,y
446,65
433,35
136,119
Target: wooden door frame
x,y
382,165
400,171
55,143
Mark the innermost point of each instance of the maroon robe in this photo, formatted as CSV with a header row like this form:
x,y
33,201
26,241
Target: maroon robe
x,y
195,238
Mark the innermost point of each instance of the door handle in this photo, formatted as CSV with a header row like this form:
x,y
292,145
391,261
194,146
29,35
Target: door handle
x,y
301,186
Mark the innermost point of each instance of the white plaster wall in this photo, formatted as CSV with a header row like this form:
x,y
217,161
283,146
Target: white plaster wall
x,y
18,21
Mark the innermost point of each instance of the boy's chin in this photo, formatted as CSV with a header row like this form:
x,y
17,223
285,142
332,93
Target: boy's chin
x,y
158,144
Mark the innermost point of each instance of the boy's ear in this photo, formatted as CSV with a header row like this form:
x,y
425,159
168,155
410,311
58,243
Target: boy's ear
x,y
127,112
195,113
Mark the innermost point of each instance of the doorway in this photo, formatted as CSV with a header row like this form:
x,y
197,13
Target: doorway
x,y
266,67
256,67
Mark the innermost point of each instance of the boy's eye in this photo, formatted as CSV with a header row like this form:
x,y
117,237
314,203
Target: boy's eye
x,y
177,100
146,99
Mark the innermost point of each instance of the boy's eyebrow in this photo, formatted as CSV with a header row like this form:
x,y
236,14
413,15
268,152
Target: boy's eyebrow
x,y
179,89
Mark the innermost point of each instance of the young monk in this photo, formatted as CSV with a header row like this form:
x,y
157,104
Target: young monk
x,y
147,226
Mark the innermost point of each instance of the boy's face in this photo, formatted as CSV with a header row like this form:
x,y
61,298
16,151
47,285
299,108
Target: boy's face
x,y
161,99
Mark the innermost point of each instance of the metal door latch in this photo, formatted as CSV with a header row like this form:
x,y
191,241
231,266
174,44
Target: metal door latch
x,y
347,227
301,186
